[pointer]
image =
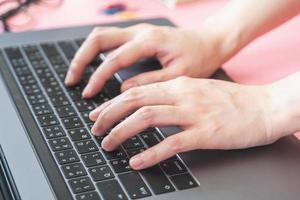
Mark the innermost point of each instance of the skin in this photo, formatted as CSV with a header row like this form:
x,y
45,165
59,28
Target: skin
x,y
213,114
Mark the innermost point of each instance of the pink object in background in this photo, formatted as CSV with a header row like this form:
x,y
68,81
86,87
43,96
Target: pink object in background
x,y
269,58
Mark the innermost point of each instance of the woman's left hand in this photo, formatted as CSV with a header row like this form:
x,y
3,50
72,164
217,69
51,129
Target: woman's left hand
x,y
213,114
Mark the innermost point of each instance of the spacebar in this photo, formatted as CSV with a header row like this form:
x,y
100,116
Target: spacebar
x,y
157,180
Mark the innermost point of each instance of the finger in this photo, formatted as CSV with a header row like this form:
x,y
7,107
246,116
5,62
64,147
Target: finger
x,y
128,102
101,39
142,119
95,113
124,56
167,148
148,77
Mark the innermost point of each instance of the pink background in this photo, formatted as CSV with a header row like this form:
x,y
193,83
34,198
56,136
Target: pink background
x,y
269,58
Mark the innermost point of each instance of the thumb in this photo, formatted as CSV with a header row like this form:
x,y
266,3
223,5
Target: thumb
x,y
149,77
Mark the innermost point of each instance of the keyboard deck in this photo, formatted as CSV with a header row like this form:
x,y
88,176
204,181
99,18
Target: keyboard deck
x,y
62,116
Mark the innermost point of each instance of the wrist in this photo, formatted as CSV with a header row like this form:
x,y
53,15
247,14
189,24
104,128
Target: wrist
x,y
285,105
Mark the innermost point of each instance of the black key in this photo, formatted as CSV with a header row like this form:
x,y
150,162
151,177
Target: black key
x,y
59,100
112,87
53,132
22,70
51,91
27,79
99,138
61,75
60,144
79,41
32,89
47,81
42,109
68,49
79,134
13,52
36,99
111,190
65,111
101,98
83,184
121,165
157,180
173,167
134,185
116,154
133,143
151,138
73,170
65,157
101,173
75,95
88,196
183,181
47,120
86,146
72,122
50,49
84,105
133,152
86,118
93,159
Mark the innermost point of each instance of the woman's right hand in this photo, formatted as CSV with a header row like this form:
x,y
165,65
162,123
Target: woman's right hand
x,y
193,53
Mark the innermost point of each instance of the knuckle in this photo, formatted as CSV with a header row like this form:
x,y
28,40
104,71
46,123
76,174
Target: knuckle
x,y
175,144
147,115
132,96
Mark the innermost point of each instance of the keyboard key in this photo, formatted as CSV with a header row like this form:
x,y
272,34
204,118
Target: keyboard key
x,y
75,95
53,132
68,49
86,118
116,154
65,157
86,146
101,98
73,170
93,159
173,167
59,100
101,173
133,143
36,99
183,181
60,144
65,111
27,79
84,105
111,190
121,165
157,180
133,152
32,89
47,120
88,196
79,41
72,122
134,185
83,184
151,138
42,109
79,134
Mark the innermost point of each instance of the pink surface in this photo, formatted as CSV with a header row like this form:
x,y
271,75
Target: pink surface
x,y
269,58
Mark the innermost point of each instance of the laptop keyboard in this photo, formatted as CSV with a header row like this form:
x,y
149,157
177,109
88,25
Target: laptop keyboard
x,y
62,115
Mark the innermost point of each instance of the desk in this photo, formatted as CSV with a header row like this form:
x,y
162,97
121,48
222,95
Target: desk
x,y
269,58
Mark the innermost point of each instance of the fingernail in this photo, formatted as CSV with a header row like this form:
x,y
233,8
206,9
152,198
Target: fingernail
x,y
87,90
92,115
136,162
68,78
106,143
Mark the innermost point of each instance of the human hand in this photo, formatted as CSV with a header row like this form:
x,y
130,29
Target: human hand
x,y
180,52
213,114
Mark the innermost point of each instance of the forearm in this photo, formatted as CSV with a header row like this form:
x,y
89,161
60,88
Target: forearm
x,y
241,21
285,105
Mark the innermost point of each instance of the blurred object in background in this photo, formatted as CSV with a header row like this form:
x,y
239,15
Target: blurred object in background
x,y
122,9
173,3
14,14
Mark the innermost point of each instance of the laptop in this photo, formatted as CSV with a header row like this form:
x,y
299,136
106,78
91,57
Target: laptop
x,y
47,150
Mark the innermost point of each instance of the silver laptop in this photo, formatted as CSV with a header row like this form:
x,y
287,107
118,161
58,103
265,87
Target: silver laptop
x,y
47,151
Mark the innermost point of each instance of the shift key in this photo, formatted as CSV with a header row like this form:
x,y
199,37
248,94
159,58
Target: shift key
x,y
134,185
157,180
